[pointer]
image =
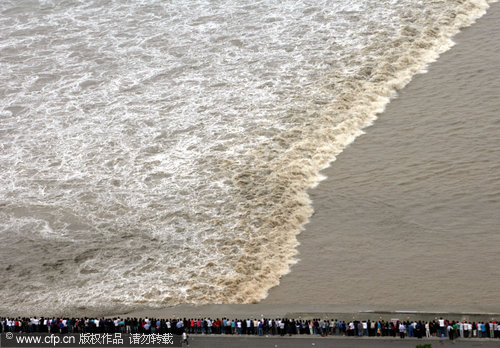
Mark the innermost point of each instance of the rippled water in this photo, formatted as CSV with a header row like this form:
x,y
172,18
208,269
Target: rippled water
x,y
159,153
408,216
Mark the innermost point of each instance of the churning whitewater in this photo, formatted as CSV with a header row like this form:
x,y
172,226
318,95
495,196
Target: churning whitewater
x,y
156,153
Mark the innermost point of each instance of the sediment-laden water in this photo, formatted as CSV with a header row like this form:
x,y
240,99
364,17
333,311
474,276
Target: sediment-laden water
x,y
155,153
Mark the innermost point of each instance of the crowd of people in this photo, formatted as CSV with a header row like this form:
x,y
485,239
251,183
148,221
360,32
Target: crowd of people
x,y
282,326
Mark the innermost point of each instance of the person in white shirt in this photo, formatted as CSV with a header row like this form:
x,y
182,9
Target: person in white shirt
x,y
402,330
365,328
10,324
442,329
185,338
209,326
238,325
351,328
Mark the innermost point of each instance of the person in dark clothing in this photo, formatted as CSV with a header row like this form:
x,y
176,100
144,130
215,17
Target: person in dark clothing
x,y
420,329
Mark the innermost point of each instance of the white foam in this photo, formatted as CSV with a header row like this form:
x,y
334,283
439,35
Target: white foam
x,y
179,139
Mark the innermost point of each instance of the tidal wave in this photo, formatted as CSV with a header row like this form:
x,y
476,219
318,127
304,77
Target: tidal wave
x,y
161,154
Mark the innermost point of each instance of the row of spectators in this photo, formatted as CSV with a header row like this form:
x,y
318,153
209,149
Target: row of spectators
x,y
281,326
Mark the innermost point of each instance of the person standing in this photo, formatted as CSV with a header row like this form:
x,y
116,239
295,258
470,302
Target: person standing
x,y
185,338
402,330
451,331
239,327
442,328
